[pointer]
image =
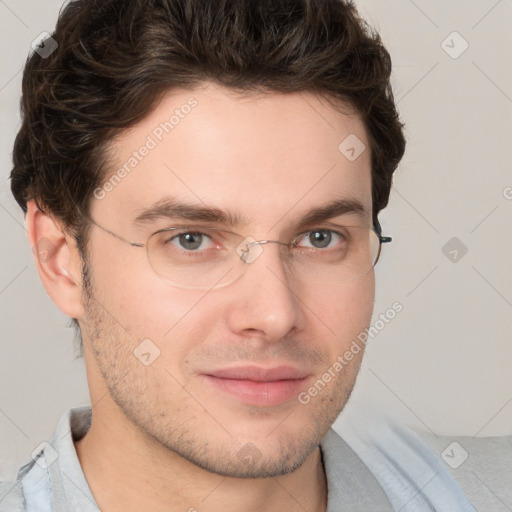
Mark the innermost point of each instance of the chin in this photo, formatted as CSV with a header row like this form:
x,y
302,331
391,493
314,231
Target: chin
x,y
249,461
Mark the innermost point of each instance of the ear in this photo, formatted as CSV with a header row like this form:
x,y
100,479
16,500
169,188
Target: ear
x,y
57,260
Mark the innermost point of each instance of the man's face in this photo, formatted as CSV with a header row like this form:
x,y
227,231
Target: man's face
x,y
269,159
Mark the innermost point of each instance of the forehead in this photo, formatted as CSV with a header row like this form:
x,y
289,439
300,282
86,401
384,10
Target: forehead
x,y
263,156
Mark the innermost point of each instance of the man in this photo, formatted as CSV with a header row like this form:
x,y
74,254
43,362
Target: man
x,y
202,182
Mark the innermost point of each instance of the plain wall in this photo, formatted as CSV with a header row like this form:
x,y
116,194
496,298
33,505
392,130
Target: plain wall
x,y
443,363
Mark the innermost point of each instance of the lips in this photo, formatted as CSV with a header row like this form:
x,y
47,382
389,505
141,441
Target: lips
x,y
258,374
259,386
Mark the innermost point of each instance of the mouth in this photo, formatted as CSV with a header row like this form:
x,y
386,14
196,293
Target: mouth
x,y
258,386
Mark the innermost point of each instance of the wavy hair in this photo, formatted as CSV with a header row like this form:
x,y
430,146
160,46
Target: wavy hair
x,y
116,58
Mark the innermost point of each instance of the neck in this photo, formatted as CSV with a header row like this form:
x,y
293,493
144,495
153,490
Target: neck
x,y
128,471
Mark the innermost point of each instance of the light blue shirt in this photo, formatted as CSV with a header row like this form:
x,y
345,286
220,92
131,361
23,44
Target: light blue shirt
x,y
393,471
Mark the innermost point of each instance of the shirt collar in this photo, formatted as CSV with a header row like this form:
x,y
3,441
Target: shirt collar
x,y
351,486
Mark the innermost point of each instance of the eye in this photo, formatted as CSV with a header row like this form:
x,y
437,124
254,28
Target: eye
x,y
191,241
320,239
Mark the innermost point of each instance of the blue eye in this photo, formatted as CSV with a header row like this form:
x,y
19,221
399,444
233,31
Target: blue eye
x,y
190,241
320,238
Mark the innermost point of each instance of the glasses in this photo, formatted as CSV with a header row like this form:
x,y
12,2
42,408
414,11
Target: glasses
x,y
196,257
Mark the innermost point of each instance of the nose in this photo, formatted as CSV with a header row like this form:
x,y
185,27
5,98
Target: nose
x,y
262,301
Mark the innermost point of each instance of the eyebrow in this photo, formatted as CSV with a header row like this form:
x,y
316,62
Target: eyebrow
x,y
171,208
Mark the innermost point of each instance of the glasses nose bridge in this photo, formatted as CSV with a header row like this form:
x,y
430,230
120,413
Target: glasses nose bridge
x,y
253,243
261,242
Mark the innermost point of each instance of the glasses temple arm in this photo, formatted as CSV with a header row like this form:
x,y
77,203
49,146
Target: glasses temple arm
x,y
378,231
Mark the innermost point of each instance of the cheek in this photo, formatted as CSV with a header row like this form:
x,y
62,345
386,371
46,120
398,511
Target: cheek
x,y
347,309
178,319
139,300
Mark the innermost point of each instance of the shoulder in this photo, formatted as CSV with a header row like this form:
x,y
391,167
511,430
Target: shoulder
x,y
414,478
11,496
39,482
350,483
482,467
31,490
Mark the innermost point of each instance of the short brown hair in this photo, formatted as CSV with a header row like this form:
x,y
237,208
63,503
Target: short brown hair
x,y
116,58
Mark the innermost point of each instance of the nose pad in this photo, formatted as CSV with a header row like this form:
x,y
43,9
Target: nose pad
x,y
250,249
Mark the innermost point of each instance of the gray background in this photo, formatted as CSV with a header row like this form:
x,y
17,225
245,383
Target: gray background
x,y
443,363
